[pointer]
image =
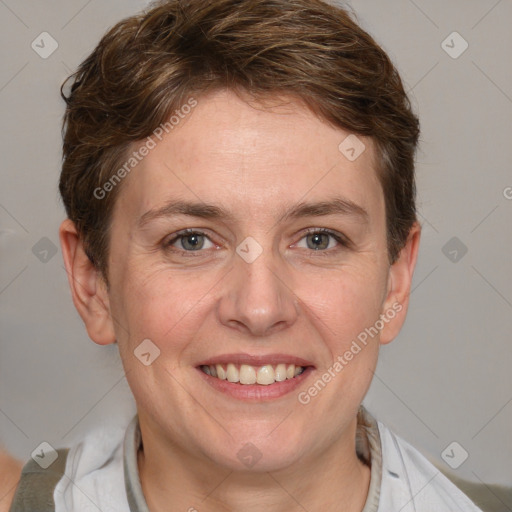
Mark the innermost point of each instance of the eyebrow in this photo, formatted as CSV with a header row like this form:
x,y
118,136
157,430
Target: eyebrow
x,y
335,206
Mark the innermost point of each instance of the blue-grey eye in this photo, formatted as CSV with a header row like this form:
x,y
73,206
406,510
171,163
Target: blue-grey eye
x,y
319,241
191,242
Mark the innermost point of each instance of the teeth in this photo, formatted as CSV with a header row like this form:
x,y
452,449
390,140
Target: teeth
x,y
247,374
266,375
232,374
221,373
280,372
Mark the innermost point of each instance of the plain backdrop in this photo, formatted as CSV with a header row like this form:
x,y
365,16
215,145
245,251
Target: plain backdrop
x,y
446,378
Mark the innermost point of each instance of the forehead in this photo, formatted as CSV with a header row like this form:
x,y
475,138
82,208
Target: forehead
x,y
250,158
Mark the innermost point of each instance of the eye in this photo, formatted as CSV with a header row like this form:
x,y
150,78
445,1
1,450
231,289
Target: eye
x,y
190,241
321,240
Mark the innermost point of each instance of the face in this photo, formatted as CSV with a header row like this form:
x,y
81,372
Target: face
x,y
247,238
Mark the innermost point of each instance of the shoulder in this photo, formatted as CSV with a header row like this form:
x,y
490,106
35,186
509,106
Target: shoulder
x,y
411,482
95,462
36,483
10,471
95,465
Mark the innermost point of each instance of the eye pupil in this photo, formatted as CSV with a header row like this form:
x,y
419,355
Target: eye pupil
x,y
317,241
192,242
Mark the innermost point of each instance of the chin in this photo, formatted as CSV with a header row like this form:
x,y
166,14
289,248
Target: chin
x,y
258,452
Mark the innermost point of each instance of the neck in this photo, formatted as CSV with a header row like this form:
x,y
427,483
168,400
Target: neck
x,y
331,481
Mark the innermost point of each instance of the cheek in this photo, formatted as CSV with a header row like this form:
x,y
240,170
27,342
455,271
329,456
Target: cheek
x,y
345,304
343,311
161,306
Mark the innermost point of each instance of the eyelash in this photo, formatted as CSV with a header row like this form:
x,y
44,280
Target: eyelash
x,y
344,243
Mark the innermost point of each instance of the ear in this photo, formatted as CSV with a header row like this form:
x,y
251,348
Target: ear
x,y
88,288
399,286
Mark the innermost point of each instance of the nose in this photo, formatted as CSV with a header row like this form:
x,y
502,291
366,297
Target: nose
x,y
256,299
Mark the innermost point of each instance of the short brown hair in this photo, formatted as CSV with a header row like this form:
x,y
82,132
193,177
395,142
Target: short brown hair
x,y
146,66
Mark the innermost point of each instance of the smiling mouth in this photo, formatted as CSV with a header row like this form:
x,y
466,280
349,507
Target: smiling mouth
x,y
245,374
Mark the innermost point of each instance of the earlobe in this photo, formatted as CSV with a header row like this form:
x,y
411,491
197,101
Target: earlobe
x,y
399,286
87,285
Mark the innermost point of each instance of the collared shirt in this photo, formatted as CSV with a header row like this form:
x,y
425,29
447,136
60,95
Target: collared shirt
x,y
102,473
367,447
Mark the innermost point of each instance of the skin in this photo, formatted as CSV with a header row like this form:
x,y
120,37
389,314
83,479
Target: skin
x,y
10,471
256,161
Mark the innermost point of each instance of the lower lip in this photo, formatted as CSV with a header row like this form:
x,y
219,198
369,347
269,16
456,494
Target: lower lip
x,y
256,392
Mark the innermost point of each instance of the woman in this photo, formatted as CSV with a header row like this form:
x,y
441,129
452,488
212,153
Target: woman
x,y
239,183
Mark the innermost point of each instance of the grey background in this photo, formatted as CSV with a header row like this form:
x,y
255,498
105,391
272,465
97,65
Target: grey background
x,y
445,378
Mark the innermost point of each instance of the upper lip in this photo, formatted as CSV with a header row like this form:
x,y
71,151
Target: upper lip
x,y
255,360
